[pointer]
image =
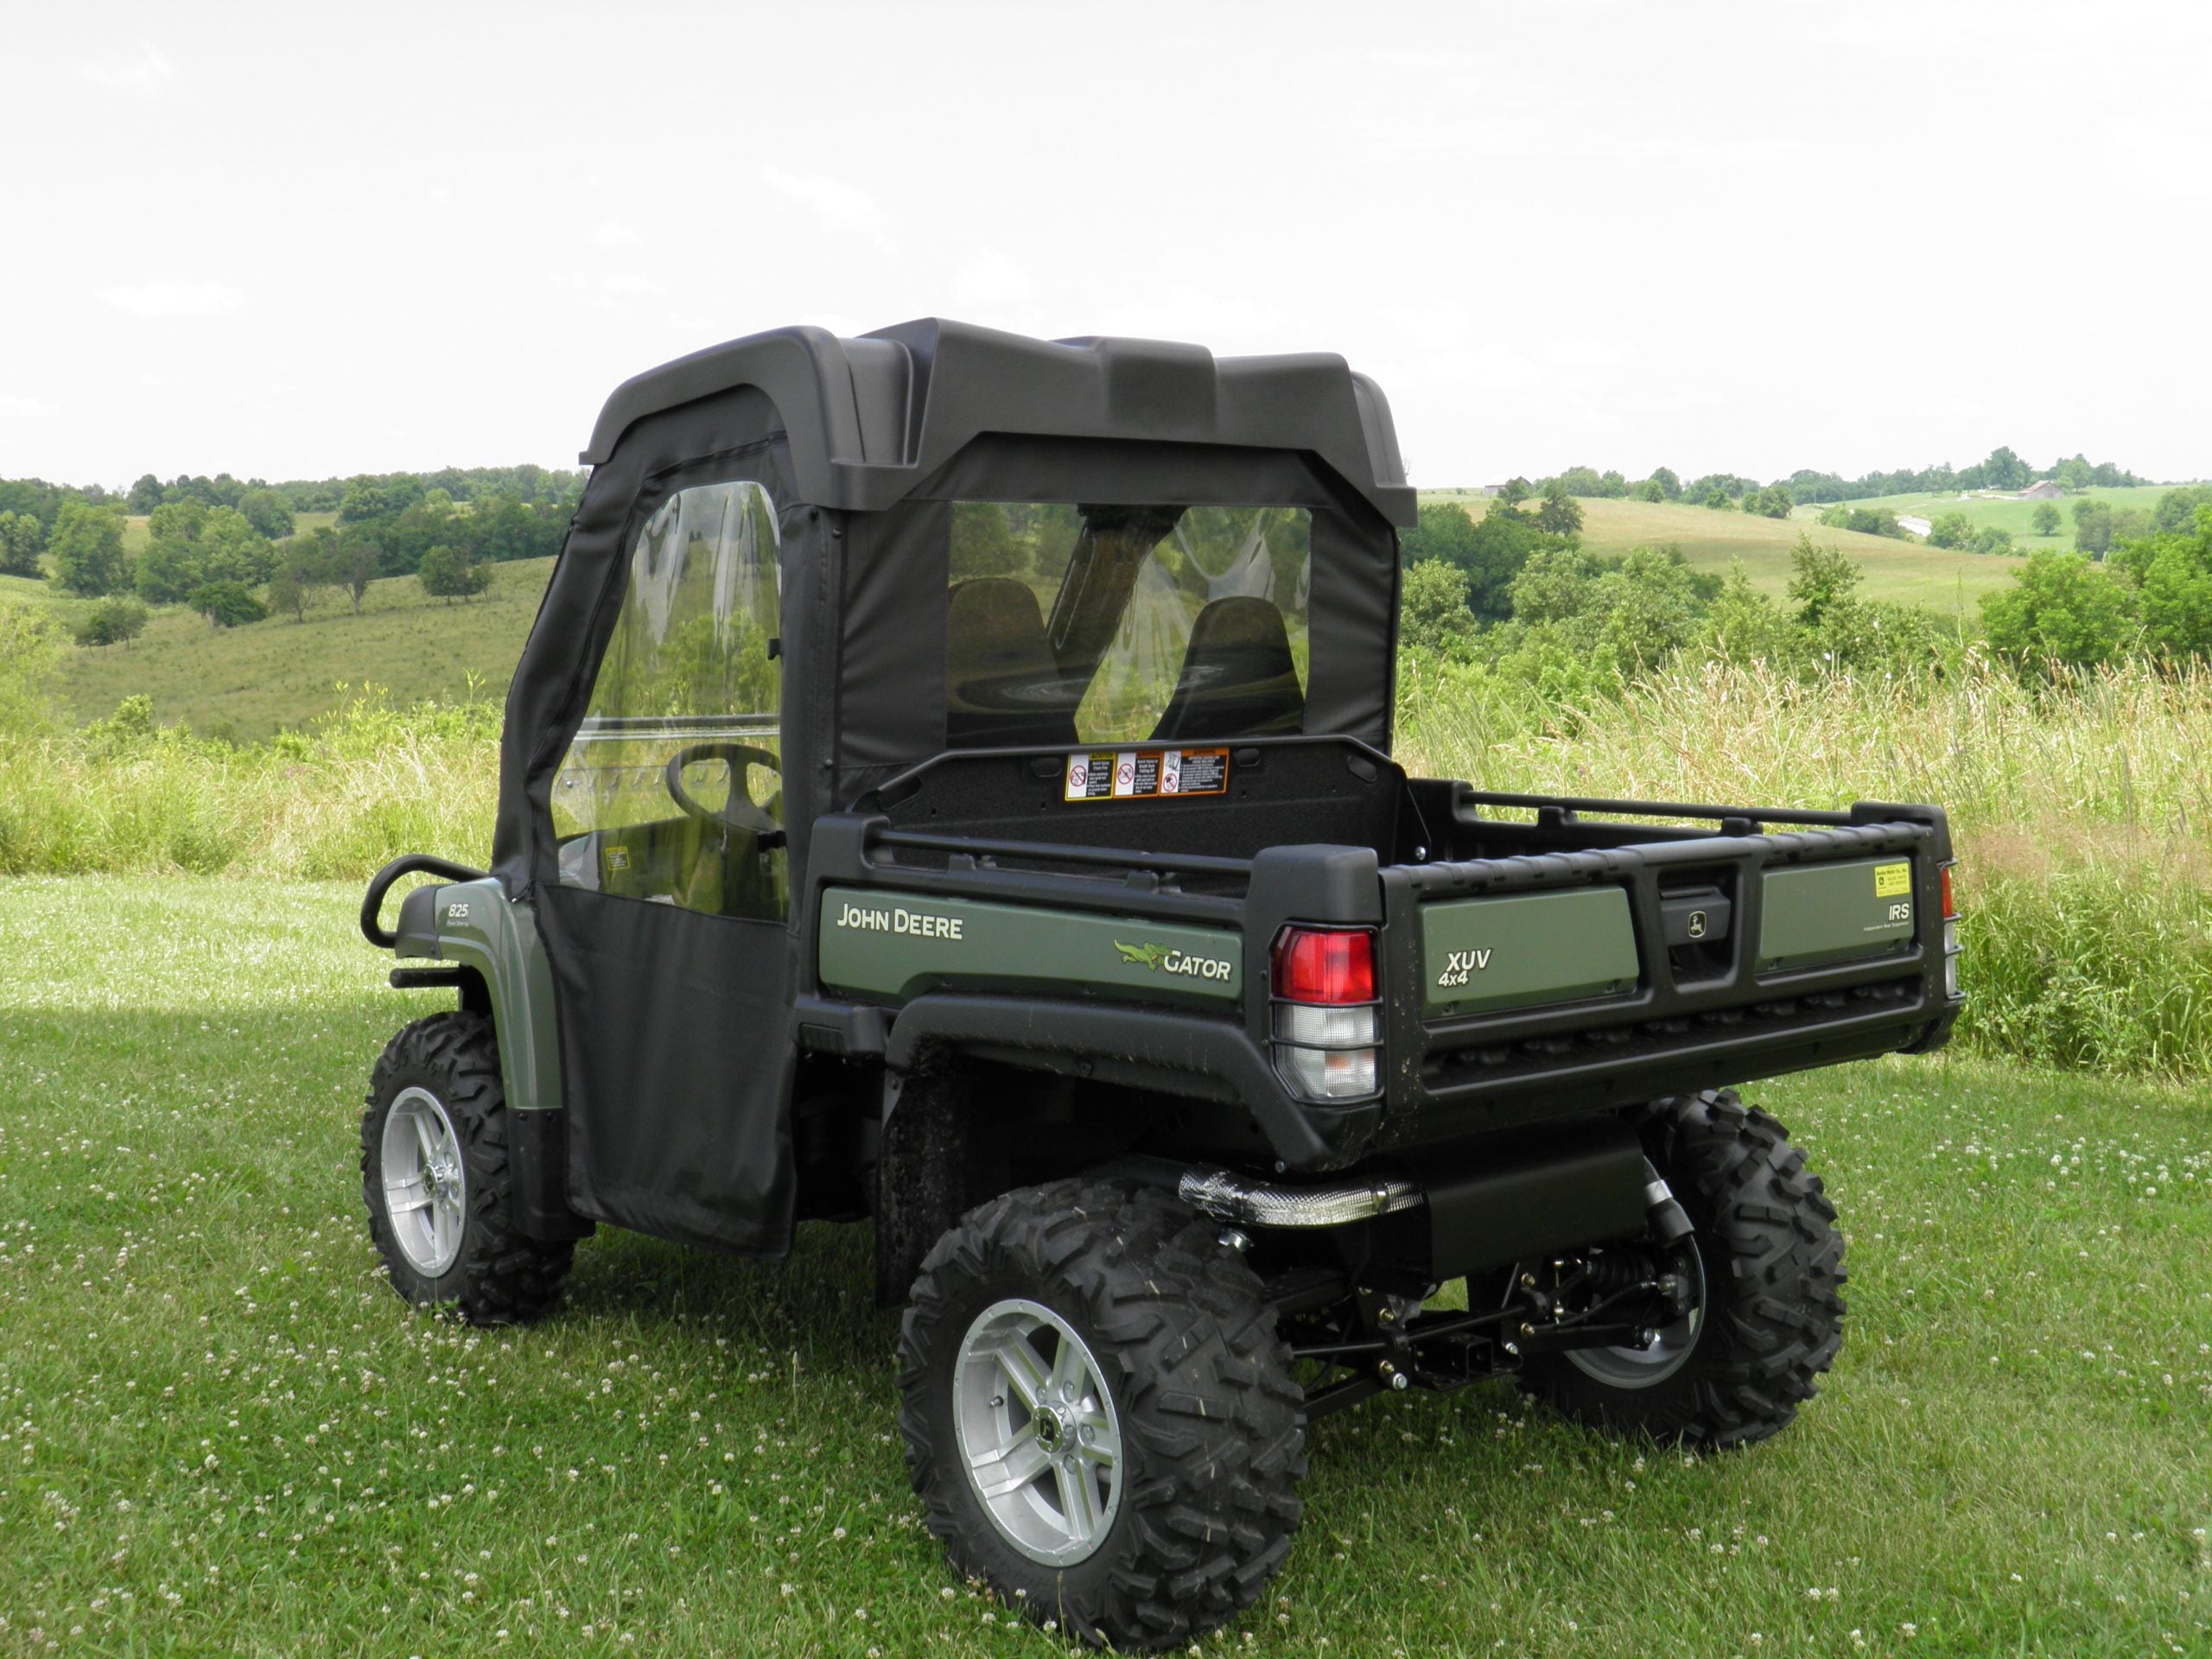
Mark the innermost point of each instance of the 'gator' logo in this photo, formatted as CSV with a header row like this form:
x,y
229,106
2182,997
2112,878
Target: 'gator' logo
x,y
1166,959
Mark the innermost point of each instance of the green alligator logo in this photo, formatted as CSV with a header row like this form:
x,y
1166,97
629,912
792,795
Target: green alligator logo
x,y
1173,959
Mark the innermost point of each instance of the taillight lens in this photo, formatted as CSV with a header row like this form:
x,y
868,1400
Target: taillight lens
x,y
1327,1028
1950,904
1332,968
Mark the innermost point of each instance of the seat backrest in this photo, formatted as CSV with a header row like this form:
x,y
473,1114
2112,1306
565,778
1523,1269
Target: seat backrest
x,y
1238,679
1003,686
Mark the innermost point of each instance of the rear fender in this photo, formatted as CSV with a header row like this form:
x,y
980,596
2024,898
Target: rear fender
x,y
474,924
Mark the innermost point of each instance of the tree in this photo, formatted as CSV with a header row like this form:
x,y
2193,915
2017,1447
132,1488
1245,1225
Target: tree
x,y
1433,613
146,494
1514,491
232,549
116,620
1651,489
1821,579
2005,471
1670,487
270,513
167,572
31,649
1488,555
1773,502
1560,514
2093,528
1990,539
2061,609
87,549
1950,530
2176,509
2046,517
226,604
449,574
2177,590
348,559
22,535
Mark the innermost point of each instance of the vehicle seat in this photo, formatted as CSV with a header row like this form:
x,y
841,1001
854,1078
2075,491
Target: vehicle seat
x,y
1003,689
1238,679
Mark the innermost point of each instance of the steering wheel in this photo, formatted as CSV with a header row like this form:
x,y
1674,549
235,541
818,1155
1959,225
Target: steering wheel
x,y
739,811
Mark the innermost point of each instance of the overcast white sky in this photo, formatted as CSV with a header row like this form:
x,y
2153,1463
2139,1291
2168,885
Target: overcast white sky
x,y
298,241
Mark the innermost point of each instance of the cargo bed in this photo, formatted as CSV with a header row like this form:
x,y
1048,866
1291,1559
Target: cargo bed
x,y
1535,955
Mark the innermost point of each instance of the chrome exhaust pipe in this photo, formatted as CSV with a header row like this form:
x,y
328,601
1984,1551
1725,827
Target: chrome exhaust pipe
x,y
1230,1198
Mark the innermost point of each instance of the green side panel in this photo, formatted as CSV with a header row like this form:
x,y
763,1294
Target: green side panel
x,y
896,945
479,925
1480,955
1810,914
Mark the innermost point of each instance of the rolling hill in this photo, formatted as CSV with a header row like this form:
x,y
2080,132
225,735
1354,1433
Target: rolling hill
x,y
1932,576
250,682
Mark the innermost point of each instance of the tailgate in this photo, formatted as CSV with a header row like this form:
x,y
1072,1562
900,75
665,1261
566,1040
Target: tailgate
x,y
1560,980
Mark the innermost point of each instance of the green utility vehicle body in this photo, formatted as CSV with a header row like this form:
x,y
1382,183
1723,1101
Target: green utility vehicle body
x,y
946,764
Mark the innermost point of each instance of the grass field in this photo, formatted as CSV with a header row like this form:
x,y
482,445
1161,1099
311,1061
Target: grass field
x,y
2016,518
1930,576
248,681
220,1433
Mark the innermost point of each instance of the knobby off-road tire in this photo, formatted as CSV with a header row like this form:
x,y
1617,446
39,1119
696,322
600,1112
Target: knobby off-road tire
x,y
1210,1427
496,1275
1772,1261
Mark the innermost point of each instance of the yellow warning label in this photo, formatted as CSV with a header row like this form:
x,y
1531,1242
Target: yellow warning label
x,y
1892,881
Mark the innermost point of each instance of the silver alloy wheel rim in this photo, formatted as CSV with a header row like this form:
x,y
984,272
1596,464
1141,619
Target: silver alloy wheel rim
x,y
1040,1436
425,1182
1645,1368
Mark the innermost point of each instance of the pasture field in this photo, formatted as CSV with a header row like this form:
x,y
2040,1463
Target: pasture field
x,y
220,1433
2015,517
138,531
250,682
1934,577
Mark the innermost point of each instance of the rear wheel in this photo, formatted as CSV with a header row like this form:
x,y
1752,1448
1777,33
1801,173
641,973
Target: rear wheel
x,y
435,1173
1765,1264
1099,1416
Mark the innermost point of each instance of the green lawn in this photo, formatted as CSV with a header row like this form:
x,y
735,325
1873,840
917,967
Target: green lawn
x,y
220,1433
1941,580
248,681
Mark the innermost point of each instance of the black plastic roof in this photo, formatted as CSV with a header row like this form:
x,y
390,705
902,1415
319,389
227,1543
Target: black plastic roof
x,y
869,418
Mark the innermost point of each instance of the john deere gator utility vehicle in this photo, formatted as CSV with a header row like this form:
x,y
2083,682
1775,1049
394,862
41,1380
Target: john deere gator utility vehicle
x,y
949,785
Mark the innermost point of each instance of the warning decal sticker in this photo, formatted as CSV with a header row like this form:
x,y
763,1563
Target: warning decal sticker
x,y
1892,881
1144,774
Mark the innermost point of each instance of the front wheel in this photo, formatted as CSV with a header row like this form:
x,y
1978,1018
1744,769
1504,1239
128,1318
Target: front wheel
x,y
1099,1416
437,1179
1764,1265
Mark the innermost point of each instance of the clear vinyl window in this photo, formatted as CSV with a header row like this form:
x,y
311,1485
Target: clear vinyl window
x,y
1083,625
671,792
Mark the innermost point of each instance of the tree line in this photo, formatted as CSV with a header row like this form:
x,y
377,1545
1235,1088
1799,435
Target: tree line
x,y
1521,596
232,550
2001,469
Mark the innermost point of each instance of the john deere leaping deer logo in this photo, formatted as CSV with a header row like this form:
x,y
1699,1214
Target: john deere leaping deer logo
x,y
1168,959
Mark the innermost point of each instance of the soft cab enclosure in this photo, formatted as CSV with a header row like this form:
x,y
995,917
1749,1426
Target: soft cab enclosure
x,y
748,632
943,693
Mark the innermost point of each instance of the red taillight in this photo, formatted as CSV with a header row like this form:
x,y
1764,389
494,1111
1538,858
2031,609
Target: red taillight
x,y
1332,968
1950,906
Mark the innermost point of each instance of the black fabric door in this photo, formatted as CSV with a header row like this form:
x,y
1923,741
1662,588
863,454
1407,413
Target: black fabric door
x,y
676,1060
665,910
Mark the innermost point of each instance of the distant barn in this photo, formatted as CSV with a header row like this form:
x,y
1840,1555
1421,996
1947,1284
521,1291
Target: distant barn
x,y
2048,490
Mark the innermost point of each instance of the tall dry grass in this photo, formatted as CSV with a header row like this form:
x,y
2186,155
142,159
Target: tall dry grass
x,y
2083,811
